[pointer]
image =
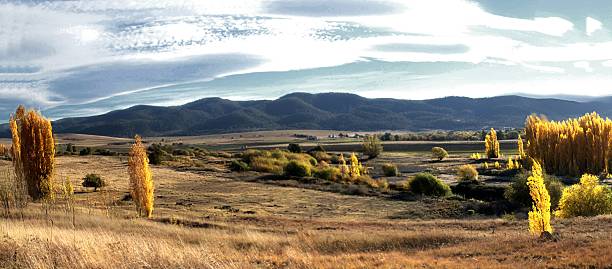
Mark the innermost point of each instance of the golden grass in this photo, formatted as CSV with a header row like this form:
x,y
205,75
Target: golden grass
x,y
291,228
50,241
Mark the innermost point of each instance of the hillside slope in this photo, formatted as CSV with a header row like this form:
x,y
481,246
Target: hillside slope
x,y
339,111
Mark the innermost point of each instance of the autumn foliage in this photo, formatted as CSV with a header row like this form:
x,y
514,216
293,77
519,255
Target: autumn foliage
x,y
587,199
33,152
141,179
492,145
539,217
571,147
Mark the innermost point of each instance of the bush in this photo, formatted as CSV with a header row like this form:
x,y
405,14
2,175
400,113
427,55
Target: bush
x,y
93,181
517,192
390,170
371,146
321,156
439,153
467,173
327,173
296,168
239,166
587,198
249,155
295,148
427,184
268,165
85,151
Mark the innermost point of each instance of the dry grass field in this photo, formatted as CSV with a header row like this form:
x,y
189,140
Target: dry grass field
x,y
208,219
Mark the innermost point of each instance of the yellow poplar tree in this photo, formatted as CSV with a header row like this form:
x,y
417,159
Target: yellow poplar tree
x,y
33,153
141,179
521,148
344,169
355,171
539,217
492,145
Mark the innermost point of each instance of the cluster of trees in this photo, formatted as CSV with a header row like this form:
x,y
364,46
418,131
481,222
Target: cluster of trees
x,y
448,135
570,147
33,157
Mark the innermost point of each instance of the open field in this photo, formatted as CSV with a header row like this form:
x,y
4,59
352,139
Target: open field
x,y
207,216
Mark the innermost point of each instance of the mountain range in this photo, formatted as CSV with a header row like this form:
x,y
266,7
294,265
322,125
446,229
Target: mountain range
x,y
332,111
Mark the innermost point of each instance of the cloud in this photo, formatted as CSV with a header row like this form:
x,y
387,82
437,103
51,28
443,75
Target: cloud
x,y
592,26
116,53
425,48
331,8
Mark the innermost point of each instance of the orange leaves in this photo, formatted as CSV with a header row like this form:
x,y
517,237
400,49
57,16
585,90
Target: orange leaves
x,y
570,147
33,151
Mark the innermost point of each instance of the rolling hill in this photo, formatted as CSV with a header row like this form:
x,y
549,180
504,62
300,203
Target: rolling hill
x,y
338,111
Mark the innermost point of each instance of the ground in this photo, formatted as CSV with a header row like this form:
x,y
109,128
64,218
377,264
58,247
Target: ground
x,y
209,217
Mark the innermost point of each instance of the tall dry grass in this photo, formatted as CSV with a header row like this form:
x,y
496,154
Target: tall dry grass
x,y
50,241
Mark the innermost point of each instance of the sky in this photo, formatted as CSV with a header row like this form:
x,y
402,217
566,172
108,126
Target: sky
x,y
86,57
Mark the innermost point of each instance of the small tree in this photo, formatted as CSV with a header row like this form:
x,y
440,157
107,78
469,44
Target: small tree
x,y
439,153
521,148
539,217
33,152
93,181
355,170
295,148
141,179
371,146
492,145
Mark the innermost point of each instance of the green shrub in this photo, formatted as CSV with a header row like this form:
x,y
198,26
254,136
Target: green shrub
x,y
439,153
467,173
428,184
295,148
371,146
239,166
93,181
327,173
587,198
390,170
296,168
517,192
85,151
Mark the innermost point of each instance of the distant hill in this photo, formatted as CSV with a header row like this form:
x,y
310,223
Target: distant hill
x,y
338,111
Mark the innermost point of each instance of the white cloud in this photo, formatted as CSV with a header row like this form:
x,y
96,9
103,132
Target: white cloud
x,y
592,26
584,65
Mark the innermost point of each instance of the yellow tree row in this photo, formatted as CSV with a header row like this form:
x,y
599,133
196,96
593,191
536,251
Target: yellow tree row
x,y
570,147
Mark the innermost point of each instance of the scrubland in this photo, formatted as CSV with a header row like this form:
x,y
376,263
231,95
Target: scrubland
x,y
214,218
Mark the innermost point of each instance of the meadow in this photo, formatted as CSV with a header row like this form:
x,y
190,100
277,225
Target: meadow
x,y
208,216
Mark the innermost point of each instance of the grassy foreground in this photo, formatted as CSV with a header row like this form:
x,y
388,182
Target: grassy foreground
x,y
38,240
